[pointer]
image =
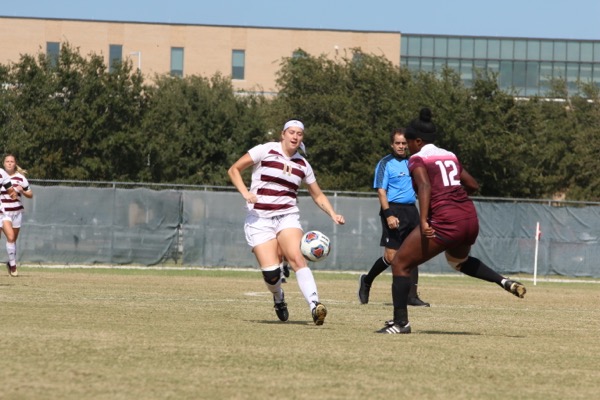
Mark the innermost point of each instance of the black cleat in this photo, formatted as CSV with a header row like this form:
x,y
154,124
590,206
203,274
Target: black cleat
x,y
393,328
319,313
515,288
363,290
417,302
282,311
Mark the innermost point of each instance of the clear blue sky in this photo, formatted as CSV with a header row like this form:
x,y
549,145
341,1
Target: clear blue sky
x,y
568,19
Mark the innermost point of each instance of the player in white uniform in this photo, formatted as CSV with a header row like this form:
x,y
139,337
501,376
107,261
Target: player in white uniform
x,y
272,224
13,208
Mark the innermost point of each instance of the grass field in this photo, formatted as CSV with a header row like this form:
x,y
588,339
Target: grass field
x,y
199,334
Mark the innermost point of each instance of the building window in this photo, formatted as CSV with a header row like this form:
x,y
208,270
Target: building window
x,y
238,64
177,61
115,56
52,53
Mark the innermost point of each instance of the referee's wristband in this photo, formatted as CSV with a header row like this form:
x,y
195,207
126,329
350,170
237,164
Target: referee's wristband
x,y
388,213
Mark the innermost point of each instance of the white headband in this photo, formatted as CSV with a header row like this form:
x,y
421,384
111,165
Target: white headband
x,y
293,122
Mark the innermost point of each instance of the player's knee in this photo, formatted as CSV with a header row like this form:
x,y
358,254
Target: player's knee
x,y
271,274
455,263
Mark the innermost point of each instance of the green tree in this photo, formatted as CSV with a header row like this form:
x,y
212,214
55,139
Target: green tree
x,y
196,127
72,119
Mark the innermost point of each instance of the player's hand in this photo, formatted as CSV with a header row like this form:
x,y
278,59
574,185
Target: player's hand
x,y
393,222
427,230
338,219
251,198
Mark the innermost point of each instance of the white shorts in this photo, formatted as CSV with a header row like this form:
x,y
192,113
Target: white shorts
x,y
14,217
260,230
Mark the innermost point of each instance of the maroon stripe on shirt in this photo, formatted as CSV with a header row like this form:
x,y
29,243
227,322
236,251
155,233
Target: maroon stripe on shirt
x,y
272,207
271,192
277,165
282,182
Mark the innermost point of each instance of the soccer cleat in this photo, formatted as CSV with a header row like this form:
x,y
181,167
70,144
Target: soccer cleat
x,y
393,328
12,270
363,290
417,302
282,311
515,288
319,313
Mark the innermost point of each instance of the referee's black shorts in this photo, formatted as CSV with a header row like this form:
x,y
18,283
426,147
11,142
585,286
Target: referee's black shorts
x,y
408,215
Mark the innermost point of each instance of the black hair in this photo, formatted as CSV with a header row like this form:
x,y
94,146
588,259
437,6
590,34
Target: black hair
x,y
422,127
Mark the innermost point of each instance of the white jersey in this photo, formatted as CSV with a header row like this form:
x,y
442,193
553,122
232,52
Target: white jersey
x,y
276,179
9,204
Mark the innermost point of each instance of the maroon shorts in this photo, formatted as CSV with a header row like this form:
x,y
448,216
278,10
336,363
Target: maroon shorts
x,y
452,234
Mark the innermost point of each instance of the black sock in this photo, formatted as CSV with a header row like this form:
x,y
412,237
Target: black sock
x,y
414,281
477,269
377,268
400,288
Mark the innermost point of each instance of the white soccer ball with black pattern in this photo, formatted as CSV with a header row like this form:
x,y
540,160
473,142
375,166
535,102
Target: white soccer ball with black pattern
x,y
315,246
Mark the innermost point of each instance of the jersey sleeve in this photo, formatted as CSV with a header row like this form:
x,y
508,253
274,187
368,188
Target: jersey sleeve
x,y
257,153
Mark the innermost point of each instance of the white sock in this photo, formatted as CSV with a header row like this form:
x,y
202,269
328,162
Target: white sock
x,y
307,285
11,249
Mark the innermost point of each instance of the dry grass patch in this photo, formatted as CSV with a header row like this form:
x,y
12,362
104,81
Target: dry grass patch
x,y
106,334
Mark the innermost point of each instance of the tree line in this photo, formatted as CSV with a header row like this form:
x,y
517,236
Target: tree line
x,y
71,118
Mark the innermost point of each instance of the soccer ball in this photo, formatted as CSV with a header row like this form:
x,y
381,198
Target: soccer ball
x,y
315,246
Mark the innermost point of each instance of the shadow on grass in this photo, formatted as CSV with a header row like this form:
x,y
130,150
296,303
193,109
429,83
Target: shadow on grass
x,y
288,322
450,333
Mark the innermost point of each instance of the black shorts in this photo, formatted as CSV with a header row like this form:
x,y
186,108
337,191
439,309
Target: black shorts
x,y
408,215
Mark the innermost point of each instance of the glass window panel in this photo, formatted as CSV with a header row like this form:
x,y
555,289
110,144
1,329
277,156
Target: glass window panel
x,y
466,72
545,76
585,72
559,70
493,66
596,74
493,48
466,48
547,50
115,56
572,71
505,77
403,46
480,48
52,52
560,50
596,52
427,64
454,47
438,64
427,47
177,61
506,49
414,64
587,52
573,51
441,47
454,64
414,46
533,49
479,67
238,62
533,76
520,50
519,74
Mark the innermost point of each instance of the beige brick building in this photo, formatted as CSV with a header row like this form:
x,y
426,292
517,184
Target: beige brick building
x,y
250,55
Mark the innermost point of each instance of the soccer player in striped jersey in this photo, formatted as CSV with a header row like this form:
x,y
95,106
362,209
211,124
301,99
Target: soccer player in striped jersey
x,y
272,225
448,220
13,209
